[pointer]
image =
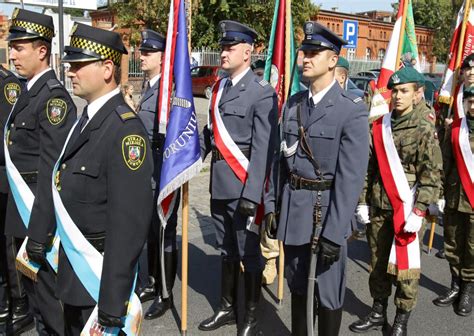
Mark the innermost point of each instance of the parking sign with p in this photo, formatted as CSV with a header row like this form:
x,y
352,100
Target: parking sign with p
x,y
351,30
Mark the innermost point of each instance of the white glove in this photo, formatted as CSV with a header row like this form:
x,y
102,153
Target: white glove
x,y
413,223
433,209
441,203
362,214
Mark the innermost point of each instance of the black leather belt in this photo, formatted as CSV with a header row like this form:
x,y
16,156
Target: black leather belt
x,y
298,182
97,240
217,156
31,177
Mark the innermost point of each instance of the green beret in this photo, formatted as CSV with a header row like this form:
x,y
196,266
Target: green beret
x,y
405,75
468,62
342,62
468,92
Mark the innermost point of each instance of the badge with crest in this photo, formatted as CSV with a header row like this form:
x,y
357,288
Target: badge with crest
x,y
12,92
56,110
134,151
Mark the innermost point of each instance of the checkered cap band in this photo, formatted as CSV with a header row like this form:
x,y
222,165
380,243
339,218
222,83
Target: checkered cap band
x,y
100,49
34,28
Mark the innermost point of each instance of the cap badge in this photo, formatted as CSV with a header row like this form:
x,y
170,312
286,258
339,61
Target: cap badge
x,y
395,79
308,28
73,30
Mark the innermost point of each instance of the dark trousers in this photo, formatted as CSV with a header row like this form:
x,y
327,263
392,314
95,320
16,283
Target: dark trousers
x,y
149,261
233,239
331,285
4,292
46,308
75,318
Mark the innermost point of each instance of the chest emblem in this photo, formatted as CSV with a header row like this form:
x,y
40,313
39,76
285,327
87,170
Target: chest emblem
x,y
134,151
12,92
56,110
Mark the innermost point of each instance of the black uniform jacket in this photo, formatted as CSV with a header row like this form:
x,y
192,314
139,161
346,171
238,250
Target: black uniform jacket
x,y
104,182
40,123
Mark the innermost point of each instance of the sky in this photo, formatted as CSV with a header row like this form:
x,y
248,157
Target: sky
x,y
353,6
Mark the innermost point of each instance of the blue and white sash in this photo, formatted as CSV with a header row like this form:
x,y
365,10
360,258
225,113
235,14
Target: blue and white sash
x,y
24,200
87,262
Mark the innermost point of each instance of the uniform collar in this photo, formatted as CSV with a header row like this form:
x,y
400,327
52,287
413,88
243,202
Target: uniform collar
x,y
97,104
35,78
318,96
154,80
237,78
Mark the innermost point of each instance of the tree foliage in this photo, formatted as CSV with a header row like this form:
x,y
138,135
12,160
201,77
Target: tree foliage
x,y
206,15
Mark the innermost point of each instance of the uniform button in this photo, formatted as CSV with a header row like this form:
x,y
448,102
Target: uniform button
x,y
12,125
23,124
322,132
63,166
10,143
83,168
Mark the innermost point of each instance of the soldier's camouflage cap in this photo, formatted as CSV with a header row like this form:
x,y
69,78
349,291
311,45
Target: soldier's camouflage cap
x,y
405,75
343,63
93,44
28,25
468,92
468,62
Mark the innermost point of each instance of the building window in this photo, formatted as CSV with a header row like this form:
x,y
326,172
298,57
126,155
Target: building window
x,y
329,25
384,35
381,54
333,27
370,32
368,54
351,53
380,34
337,28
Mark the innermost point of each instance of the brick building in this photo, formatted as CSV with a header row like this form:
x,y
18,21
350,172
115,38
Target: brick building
x,y
374,32
4,25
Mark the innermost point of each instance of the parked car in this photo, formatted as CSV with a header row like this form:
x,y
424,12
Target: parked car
x,y
351,87
361,82
203,78
372,74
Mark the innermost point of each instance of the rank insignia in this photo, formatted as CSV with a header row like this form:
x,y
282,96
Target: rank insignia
x,y
56,110
12,92
134,151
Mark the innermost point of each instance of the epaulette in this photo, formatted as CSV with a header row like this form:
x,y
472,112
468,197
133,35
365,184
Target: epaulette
x,y
4,74
353,97
53,83
125,113
263,83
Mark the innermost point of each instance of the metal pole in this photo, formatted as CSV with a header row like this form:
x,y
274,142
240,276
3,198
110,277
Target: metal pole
x,y
61,39
22,5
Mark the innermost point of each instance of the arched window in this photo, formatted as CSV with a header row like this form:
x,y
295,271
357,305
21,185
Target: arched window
x,y
381,54
368,53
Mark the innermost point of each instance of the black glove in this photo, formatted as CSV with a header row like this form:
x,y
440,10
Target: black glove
x,y
108,321
36,252
328,252
271,225
246,207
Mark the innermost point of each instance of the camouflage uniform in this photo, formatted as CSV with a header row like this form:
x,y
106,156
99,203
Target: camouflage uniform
x,y
414,138
459,216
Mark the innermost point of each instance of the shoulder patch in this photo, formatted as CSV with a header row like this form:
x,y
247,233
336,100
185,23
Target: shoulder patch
x,y
263,83
54,84
124,112
358,99
12,92
56,110
133,151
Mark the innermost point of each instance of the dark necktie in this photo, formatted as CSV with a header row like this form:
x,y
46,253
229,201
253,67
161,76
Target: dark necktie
x,y
228,86
80,125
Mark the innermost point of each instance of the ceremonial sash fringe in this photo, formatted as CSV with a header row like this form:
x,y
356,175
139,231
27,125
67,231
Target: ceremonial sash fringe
x,y
24,200
404,260
87,262
462,148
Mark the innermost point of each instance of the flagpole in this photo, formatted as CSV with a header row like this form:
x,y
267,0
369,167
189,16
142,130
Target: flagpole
x,y
402,32
185,221
288,61
467,10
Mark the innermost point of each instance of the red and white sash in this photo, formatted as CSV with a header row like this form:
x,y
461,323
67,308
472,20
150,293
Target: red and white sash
x,y
462,148
232,154
404,261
